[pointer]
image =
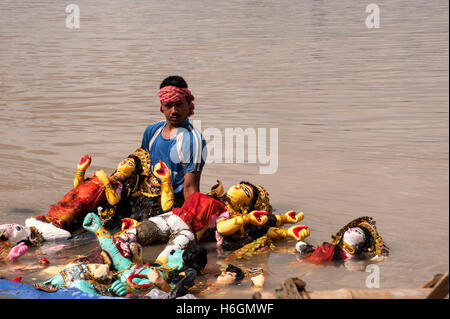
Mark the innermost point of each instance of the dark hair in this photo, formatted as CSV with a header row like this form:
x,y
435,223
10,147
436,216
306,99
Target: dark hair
x,y
174,80
368,241
255,196
132,182
238,271
137,163
195,257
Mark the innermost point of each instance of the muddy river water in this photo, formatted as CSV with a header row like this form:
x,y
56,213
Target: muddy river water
x,y
359,115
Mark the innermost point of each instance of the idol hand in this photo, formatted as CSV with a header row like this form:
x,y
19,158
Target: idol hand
x,y
256,218
162,172
92,222
84,163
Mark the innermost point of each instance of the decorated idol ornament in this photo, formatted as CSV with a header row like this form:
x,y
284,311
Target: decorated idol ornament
x,y
126,277
352,240
243,198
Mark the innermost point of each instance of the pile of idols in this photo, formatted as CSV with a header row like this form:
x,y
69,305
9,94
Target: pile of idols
x,y
136,207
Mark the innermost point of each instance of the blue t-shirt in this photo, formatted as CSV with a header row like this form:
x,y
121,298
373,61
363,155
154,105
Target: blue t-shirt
x,y
185,153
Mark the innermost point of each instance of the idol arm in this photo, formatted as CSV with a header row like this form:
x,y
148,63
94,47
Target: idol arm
x,y
93,224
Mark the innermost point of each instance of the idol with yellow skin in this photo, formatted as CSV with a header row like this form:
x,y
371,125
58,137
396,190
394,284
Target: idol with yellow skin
x,y
86,196
162,172
240,198
123,171
251,216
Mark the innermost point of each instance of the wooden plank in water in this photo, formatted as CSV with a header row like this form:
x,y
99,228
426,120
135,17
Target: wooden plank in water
x,y
374,293
440,289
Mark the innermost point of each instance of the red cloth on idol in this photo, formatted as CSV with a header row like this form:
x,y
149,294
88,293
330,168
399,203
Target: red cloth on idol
x,y
323,254
77,203
198,210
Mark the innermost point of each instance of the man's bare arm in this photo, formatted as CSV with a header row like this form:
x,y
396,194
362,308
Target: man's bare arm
x,y
191,183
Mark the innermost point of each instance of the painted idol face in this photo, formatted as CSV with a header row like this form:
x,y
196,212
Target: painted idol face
x,y
226,278
352,239
125,168
240,195
14,233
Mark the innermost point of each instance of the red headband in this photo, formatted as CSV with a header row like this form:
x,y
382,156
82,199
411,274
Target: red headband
x,y
171,94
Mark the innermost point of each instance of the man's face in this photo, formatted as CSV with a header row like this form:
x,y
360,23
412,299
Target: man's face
x,y
176,112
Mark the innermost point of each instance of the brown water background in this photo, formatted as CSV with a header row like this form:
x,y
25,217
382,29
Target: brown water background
x,y
362,114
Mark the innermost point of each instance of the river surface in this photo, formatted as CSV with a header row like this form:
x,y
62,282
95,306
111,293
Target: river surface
x,y
361,115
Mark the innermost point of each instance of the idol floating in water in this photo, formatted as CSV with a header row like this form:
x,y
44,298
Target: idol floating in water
x,y
359,239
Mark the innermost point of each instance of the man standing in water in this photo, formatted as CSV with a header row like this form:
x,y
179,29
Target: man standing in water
x,y
175,141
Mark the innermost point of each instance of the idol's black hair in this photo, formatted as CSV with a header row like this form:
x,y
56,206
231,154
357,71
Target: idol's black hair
x,y
137,163
255,195
195,257
238,271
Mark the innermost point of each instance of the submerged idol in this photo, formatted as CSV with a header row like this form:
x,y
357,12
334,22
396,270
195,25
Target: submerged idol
x,y
359,239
